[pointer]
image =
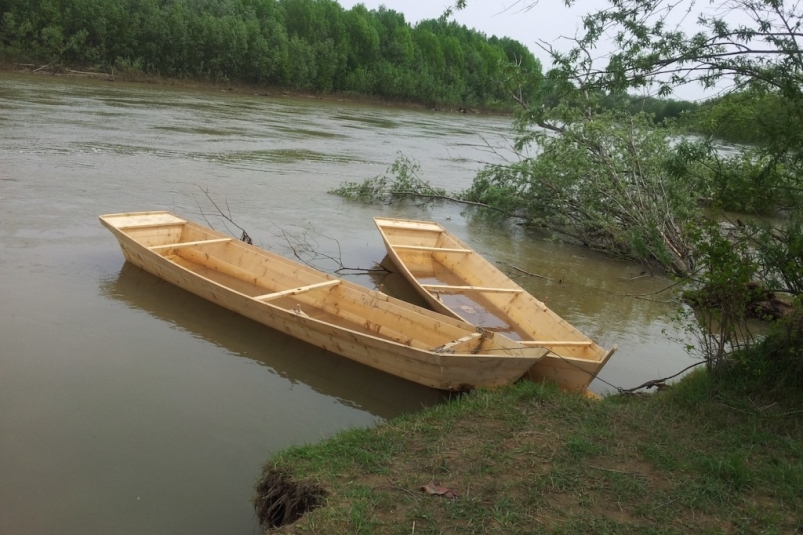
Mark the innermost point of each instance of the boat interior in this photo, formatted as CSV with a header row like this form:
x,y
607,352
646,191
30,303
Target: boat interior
x,y
294,287
477,292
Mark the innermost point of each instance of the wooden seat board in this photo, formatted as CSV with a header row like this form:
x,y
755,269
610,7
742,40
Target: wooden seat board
x,y
433,249
450,288
188,244
296,291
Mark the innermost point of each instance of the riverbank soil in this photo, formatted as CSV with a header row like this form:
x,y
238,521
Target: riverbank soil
x,y
139,77
530,459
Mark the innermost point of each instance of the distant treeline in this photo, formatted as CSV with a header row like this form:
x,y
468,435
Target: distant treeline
x,y
312,45
660,109
752,116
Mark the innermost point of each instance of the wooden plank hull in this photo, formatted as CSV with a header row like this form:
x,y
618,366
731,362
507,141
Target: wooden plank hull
x,y
457,281
344,318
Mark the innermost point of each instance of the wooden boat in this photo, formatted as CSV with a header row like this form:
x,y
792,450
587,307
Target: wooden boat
x,y
457,281
345,318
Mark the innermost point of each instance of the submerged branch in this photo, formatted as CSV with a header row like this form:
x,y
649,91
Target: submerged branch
x,y
245,237
306,249
304,245
659,383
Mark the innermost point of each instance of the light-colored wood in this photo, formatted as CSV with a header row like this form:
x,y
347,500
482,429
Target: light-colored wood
x,y
427,248
188,244
454,343
296,291
470,288
445,288
557,343
146,220
150,225
365,325
413,225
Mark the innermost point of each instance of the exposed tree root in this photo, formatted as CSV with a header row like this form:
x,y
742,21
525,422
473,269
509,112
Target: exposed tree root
x,y
280,500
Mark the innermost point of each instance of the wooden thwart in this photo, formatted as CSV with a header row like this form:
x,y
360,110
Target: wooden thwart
x,y
151,225
434,249
555,343
296,291
423,226
180,245
445,288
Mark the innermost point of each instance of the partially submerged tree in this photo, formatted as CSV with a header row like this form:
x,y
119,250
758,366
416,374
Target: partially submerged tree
x,y
736,46
605,181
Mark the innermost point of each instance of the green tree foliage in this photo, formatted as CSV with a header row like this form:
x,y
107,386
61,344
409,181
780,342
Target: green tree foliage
x,y
404,182
755,49
606,182
300,44
754,115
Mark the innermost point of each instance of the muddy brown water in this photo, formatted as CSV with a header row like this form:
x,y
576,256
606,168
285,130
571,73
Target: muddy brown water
x,y
129,406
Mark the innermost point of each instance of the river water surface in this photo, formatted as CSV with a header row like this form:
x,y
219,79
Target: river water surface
x,y
129,406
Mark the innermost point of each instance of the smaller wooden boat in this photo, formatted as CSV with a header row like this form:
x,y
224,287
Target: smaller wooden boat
x,y
457,281
345,318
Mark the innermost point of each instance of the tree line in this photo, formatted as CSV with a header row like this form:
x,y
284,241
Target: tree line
x,y
311,45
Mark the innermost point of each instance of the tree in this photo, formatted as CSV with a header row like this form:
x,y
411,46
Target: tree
x,y
607,183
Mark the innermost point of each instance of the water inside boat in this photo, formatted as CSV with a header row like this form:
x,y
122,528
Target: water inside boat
x,y
472,307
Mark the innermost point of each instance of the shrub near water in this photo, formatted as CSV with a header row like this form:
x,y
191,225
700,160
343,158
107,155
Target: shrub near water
x,y
697,458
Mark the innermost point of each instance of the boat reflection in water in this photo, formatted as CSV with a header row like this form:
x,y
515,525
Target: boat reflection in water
x,y
351,383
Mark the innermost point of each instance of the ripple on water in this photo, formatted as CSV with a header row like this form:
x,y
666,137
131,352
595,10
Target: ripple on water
x,y
275,156
302,133
203,130
117,102
121,149
373,121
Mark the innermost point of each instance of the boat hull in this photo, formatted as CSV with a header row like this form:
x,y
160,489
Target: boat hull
x,y
456,281
205,270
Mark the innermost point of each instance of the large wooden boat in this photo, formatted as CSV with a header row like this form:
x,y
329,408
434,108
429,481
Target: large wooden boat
x,y
364,325
457,281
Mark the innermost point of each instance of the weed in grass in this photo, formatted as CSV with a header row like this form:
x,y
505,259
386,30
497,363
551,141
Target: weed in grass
x,y
580,448
361,519
785,480
625,487
661,455
730,468
504,513
704,494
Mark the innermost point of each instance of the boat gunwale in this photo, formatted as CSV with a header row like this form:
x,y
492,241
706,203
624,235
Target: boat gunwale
x,y
486,353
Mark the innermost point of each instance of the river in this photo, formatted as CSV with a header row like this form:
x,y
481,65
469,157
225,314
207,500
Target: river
x,y
129,406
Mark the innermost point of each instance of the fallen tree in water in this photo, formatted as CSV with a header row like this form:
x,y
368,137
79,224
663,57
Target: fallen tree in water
x,y
607,182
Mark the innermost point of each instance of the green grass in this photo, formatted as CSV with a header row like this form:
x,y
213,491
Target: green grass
x,y
696,458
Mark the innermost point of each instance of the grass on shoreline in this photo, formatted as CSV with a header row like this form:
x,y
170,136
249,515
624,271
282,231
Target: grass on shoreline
x,y
530,459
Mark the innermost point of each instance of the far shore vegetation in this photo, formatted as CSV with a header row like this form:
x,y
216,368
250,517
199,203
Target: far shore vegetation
x,y
299,46
296,45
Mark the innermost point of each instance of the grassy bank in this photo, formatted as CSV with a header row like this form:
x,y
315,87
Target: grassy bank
x,y
530,459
